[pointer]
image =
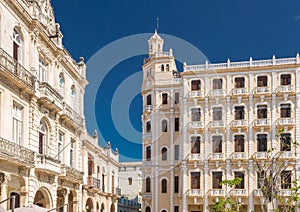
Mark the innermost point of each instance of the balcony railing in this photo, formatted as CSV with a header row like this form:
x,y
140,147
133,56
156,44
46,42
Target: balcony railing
x,y
262,122
216,192
148,108
217,93
239,123
195,156
195,192
285,192
9,64
71,173
285,121
239,192
45,163
239,155
257,193
217,124
286,89
147,135
51,95
195,125
261,155
287,155
147,195
15,152
239,91
198,94
72,115
93,182
217,156
262,90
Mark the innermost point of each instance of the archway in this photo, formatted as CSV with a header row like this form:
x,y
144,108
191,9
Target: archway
x,y
112,208
42,198
89,205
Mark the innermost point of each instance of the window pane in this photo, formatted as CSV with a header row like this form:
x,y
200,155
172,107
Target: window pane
x,y
195,180
176,124
239,82
196,114
240,175
239,143
165,98
176,98
262,81
176,184
262,143
262,112
195,145
239,113
285,79
217,178
217,84
217,144
285,142
195,85
176,152
217,114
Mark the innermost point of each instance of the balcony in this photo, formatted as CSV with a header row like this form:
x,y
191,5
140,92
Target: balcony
x,y
148,108
216,192
195,157
258,123
239,156
93,182
49,97
147,196
195,193
217,156
70,173
15,153
239,92
286,155
217,124
217,93
285,192
285,122
285,89
196,125
257,193
147,135
261,155
239,192
262,91
196,94
47,164
71,117
16,74
239,123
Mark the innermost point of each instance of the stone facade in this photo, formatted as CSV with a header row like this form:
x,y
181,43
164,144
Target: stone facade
x,y
44,146
207,123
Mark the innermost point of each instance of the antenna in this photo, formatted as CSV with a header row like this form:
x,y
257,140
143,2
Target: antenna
x,y
157,23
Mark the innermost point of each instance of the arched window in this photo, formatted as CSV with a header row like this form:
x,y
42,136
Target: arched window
x,y
163,211
167,67
17,46
164,126
148,153
162,67
17,200
148,127
72,90
61,80
43,131
148,184
164,186
148,209
164,153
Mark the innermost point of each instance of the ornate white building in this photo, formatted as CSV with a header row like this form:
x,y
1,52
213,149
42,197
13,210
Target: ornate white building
x,y
44,146
206,124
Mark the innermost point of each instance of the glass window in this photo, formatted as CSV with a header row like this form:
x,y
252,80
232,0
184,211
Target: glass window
x,y
262,143
260,179
217,114
239,113
217,178
42,138
176,98
164,153
72,153
217,144
164,186
176,124
148,209
148,184
17,124
162,67
176,152
239,143
195,145
164,126
196,86
42,71
176,208
148,127
285,110
240,175
195,180
285,142
285,79
239,82
176,184
72,90
164,98
17,46
149,100
286,179
217,84
167,67
196,114
262,111
262,81
129,180
148,153
60,144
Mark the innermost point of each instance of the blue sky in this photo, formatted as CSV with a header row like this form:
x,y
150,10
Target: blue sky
x,y
220,29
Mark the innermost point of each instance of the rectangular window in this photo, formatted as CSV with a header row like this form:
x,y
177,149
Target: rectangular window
x,y
129,180
148,153
196,85
285,79
262,111
217,114
239,82
195,180
285,110
262,143
60,144
239,143
149,100
286,179
195,145
176,184
176,98
217,178
42,71
176,152
239,113
176,208
260,179
148,127
72,153
176,124
240,175
217,144
285,142
164,98
17,124
217,84
262,81
196,114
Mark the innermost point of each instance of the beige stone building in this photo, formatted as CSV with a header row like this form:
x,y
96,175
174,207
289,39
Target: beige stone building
x,y
205,125
44,147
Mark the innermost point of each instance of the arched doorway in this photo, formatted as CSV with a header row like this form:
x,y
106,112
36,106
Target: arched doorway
x,y
112,208
89,205
42,198
102,207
